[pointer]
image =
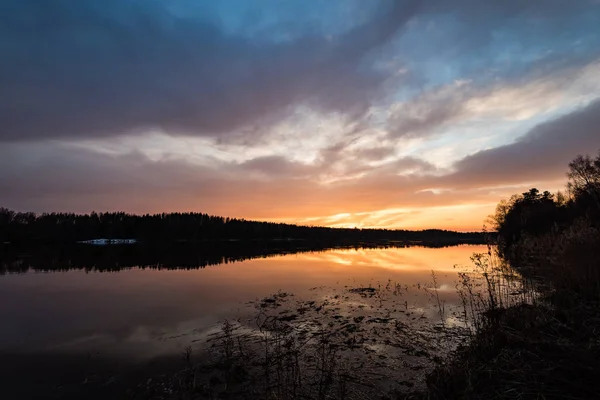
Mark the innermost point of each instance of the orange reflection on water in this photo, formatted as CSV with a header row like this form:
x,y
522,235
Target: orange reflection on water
x,y
107,311
299,272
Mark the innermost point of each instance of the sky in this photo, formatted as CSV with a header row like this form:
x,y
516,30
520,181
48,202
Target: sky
x,y
371,114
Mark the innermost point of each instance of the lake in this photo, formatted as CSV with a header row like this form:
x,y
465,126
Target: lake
x,y
64,325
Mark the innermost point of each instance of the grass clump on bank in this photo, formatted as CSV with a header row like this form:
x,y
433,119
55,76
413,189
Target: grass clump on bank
x,y
529,353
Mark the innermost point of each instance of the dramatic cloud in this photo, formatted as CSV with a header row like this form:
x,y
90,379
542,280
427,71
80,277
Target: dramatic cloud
x,y
512,99
542,154
80,68
346,113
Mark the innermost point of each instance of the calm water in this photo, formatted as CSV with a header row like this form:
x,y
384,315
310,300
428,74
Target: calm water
x,y
139,315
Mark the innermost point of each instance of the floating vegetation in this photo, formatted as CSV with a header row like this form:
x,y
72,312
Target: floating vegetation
x,y
344,343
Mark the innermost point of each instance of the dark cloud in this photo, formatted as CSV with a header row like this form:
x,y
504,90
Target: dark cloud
x,y
89,68
84,68
542,154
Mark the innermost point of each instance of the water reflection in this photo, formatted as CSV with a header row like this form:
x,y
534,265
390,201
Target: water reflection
x,y
140,314
137,310
176,255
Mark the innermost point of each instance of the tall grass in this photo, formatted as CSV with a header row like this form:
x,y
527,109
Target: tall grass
x,y
489,288
534,327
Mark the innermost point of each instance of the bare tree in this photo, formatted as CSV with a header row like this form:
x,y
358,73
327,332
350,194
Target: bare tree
x,y
584,176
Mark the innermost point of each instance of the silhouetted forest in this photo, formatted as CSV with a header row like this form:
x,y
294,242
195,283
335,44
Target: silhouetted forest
x,y
18,228
534,215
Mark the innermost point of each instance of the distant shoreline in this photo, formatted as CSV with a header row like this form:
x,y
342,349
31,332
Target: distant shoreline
x,y
21,228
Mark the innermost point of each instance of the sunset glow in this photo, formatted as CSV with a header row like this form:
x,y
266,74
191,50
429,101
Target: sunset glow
x,y
407,114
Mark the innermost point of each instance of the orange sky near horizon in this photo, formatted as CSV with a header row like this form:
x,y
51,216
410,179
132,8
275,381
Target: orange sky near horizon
x,y
461,218
358,114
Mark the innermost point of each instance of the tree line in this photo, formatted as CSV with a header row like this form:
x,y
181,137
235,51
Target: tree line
x,y
28,227
534,214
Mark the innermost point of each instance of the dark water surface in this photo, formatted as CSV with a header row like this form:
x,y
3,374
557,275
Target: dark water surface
x,y
62,328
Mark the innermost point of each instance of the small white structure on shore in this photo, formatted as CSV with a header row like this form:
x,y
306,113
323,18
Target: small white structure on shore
x,y
109,241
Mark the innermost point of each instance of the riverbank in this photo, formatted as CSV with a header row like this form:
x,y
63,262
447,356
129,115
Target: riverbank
x,y
530,352
545,349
